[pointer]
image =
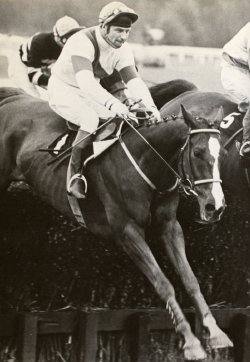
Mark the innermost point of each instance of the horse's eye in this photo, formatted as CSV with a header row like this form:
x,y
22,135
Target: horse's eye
x,y
198,152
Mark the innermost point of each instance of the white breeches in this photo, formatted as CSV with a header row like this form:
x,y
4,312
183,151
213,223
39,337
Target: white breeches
x,y
236,82
71,104
17,72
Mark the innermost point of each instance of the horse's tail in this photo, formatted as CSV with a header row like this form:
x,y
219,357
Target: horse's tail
x,y
165,92
6,92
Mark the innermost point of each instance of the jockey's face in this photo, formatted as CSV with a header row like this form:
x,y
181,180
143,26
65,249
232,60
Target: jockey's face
x,y
116,35
60,41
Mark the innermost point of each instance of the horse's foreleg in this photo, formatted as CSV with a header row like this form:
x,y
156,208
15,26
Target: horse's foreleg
x,y
134,244
172,236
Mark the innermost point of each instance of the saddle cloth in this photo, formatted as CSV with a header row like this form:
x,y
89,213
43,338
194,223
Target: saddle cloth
x,y
104,139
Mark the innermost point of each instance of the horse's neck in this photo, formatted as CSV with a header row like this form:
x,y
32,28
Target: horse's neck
x,y
168,135
161,151
163,142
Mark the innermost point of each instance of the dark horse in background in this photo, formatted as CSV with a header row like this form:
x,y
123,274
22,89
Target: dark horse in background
x,y
235,178
129,195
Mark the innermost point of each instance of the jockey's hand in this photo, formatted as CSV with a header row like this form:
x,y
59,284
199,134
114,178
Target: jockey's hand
x,y
154,114
46,70
134,104
120,110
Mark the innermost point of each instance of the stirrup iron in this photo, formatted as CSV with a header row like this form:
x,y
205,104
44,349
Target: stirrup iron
x,y
79,177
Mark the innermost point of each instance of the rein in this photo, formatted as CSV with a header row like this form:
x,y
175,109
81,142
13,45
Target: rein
x,y
138,169
183,183
229,141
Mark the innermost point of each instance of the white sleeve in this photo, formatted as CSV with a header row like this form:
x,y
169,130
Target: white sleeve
x,y
91,88
247,35
138,89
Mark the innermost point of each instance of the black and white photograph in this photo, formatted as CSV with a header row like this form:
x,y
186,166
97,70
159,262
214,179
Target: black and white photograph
x,y
124,181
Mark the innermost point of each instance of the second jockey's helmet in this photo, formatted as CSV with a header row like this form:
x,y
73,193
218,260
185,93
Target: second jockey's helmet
x,y
64,25
117,13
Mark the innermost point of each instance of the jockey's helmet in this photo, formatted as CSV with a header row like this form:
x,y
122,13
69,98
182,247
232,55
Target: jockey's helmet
x,y
65,25
118,14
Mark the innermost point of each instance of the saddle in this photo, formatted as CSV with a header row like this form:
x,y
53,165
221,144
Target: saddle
x,y
103,133
66,139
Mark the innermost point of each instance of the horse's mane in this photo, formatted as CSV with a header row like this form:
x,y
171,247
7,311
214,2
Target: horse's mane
x,y
165,92
6,92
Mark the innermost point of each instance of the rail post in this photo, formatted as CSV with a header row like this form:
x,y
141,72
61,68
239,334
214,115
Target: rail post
x,y
246,341
27,337
142,340
86,338
241,337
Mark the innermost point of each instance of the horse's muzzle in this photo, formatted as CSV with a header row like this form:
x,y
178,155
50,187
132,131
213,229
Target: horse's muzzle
x,y
211,215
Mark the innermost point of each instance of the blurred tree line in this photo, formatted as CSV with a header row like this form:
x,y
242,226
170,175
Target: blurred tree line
x,y
185,22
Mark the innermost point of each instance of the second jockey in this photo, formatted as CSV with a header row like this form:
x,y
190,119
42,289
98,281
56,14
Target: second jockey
x,y
235,78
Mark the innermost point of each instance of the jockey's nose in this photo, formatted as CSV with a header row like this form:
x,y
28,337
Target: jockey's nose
x,y
124,35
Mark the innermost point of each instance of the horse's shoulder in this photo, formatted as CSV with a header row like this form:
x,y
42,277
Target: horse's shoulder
x,y
6,92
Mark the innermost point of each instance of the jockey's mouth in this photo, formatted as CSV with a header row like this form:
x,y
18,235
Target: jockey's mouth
x,y
119,43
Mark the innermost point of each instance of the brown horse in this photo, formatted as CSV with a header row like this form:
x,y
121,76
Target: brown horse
x,y
133,186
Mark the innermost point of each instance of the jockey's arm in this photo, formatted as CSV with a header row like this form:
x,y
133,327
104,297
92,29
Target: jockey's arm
x,y
35,72
37,76
89,86
138,89
248,55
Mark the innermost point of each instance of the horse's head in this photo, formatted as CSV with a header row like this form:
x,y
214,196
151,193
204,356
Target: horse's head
x,y
200,164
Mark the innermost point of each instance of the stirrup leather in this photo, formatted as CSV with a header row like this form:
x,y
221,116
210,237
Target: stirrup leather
x,y
247,143
79,177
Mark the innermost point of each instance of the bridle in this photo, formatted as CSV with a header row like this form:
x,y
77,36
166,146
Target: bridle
x,y
190,184
182,183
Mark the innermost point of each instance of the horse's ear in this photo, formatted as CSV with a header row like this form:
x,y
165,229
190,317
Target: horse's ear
x,y
219,117
243,106
188,117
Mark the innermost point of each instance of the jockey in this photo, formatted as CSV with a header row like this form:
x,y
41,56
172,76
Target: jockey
x,y
75,92
37,55
235,77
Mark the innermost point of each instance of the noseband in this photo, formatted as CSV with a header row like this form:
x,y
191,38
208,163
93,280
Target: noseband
x,y
182,182
186,181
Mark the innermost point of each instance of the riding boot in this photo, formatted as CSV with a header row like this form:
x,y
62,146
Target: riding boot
x,y
245,146
77,185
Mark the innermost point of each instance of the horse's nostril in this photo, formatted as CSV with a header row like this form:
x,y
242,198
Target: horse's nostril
x,y
210,207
